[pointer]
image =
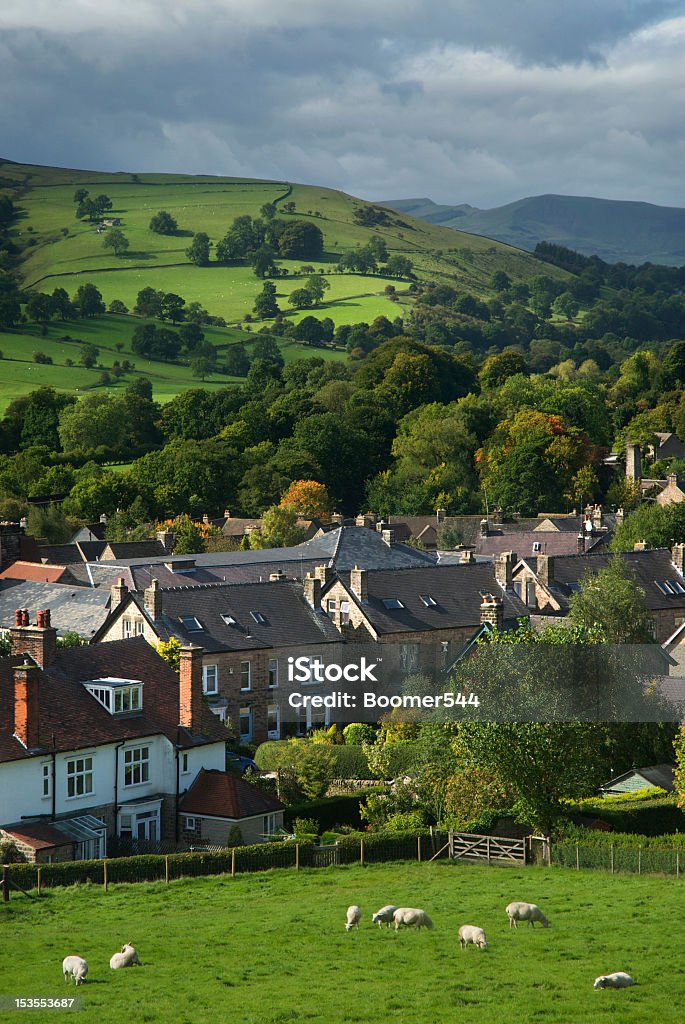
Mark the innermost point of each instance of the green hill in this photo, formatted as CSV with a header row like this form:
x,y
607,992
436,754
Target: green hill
x,y
615,231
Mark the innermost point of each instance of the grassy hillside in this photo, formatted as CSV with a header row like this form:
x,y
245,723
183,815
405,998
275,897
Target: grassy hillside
x,y
272,948
613,230
57,249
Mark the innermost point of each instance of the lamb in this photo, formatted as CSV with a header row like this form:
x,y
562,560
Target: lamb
x,y
354,916
468,934
75,967
383,916
127,957
526,912
411,917
618,980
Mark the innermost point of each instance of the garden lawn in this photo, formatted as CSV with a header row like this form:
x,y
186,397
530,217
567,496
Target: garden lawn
x,y
271,947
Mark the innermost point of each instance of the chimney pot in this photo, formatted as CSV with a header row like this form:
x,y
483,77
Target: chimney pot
x,y
492,611
388,537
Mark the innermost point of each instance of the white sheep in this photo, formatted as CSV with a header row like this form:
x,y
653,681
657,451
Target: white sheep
x,y
383,916
618,980
76,968
468,934
127,957
526,912
411,917
354,916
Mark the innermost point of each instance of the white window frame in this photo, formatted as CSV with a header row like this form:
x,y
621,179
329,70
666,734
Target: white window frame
x,y
245,689
80,781
344,613
273,734
190,824
46,769
136,766
207,671
128,695
331,606
314,659
273,673
269,824
127,629
139,627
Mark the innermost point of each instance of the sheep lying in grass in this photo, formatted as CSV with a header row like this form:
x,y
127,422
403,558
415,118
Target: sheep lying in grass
x,y
127,957
354,916
383,916
411,917
526,912
468,934
74,967
618,980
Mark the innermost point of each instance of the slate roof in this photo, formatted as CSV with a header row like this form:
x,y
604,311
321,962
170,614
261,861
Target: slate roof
x,y
138,577
288,619
646,567
549,542
60,554
72,718
218,794
134,549
457,591
78,609
657,774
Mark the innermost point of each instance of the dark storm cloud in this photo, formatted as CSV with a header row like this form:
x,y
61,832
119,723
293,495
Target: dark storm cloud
x,y
463,101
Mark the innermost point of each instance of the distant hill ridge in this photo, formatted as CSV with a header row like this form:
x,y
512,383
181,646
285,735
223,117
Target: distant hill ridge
x,y
615,230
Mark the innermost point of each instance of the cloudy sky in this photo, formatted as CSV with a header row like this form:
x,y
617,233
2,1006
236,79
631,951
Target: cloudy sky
x,y
478,101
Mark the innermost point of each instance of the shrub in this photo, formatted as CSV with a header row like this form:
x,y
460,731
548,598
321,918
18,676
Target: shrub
x,y
329,811
357,733
305,826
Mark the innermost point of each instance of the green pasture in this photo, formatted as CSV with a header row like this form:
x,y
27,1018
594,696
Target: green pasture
x,y
271,948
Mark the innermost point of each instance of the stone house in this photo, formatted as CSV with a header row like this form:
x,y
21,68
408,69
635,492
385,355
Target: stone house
x,y
97,743
218,802
247,632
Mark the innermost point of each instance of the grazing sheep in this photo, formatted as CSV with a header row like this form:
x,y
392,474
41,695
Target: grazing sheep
x,y
383,916
127,957
354,916
411,917
75,967
526,912
468,934
618,980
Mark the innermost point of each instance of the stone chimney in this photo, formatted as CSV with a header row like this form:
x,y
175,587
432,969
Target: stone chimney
x,y
338,518
118,590
167,538
359,584
545,569
492,611
504,565
324,573
190,689
467,557
227,513
484,528
388,537
641,545
312,591
368,520
580,543
153,600
620,516
440,515
597,518
205,519
678,556
633,462
274,577
27,704
40,641
103,519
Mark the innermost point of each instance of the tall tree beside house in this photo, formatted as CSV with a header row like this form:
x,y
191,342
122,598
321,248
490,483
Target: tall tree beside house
x,y
309,498
611,601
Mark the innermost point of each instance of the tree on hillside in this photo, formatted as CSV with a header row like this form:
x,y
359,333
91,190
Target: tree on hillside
x,y
399,266
171,307
279,529
148,302
203,366
263,261
317,286
301,298
88,300
117,240
300,240
198,251
163,223
309,498
268,211
265,305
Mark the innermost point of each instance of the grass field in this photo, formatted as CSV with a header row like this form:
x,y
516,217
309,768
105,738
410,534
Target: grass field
x,y
270,948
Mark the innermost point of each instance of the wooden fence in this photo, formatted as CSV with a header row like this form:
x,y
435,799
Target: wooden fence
x,y
492,849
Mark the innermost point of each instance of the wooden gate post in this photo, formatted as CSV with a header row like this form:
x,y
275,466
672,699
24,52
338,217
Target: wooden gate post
x,y
639,860
577,858
361,852
487,849
233,862
612,858
38,883
418,848
297,856
104,874
166,868
5,884
677,863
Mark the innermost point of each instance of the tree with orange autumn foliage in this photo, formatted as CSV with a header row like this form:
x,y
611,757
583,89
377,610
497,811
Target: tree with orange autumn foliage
x,y
310,499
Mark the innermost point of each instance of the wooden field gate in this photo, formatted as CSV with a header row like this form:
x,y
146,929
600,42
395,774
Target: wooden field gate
x,y
492,849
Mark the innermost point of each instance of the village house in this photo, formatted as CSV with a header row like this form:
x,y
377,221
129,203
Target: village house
x,y
98,744
247,632
218,803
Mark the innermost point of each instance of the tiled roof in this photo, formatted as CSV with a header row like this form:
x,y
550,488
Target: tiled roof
x,y
658,774
225,795
71,718
546,542
34,571
646,567
457,591
39,835
78,609
282,617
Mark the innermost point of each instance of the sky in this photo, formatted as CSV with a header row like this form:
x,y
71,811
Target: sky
x,y
475,101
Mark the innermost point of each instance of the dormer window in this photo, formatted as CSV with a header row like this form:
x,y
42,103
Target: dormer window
x,y
118,696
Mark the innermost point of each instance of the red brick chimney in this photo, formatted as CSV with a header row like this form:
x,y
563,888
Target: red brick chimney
x,y
190,689
40,641
26,705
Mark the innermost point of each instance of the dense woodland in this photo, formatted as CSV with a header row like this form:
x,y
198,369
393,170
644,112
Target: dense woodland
x,y
516,395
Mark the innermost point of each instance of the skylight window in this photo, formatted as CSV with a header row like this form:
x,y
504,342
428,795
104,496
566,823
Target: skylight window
x,y
670,588
259,618
429,601
392,602
190,623
229,620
